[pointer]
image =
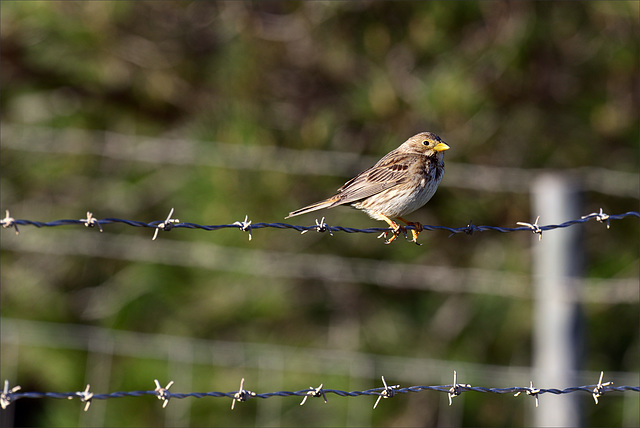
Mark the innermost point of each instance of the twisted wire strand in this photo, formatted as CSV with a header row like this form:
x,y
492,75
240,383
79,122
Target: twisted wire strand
x,y
597,390
321,226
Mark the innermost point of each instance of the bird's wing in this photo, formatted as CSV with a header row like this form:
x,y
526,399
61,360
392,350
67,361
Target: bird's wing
x,y
388,172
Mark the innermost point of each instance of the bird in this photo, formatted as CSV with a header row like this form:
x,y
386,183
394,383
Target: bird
x,y
398,184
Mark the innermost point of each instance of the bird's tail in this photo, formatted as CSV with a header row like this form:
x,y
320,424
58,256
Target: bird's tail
x,y
327,203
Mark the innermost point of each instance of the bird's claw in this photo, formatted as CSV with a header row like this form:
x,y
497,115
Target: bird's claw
x,y
396,229
415,232
396,232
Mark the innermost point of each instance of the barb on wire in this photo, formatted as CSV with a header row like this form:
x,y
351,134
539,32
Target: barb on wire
x,y
320,226
315,392
163,393
534,227
10,395
470,229
245,226
601,217
85,396
598,391
91,221
166,225
387,392
7,395
8,222
456,389
534,392
241,395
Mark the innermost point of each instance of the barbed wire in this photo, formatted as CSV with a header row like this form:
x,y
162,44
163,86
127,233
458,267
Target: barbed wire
x,y
9,395
248,226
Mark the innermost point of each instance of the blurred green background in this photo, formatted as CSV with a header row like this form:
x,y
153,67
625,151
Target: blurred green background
x,y
227,109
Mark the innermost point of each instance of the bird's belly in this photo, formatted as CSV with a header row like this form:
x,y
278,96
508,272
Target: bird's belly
x,y
396,202
412,201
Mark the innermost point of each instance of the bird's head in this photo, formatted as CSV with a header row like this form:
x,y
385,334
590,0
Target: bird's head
x,y
426,143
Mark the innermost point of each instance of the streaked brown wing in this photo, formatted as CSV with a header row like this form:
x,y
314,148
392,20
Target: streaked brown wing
x,y
388,172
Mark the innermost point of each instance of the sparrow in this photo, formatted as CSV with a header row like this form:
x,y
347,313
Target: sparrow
x,y
398,184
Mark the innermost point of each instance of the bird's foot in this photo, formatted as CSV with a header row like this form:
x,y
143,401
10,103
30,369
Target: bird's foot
x,y
396,229
414,232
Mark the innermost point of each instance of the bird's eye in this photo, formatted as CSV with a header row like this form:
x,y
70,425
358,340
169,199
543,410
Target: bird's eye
x,y
425,143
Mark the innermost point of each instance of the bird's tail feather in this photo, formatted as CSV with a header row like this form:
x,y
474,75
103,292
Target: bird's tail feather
x,y
327,203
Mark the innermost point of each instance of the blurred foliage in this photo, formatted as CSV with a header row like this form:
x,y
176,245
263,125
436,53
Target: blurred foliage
x,y
512,84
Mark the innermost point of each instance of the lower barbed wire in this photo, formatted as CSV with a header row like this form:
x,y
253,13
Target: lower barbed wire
x,y
9,395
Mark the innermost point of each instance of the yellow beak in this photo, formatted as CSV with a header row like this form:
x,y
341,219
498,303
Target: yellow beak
x,y
441,147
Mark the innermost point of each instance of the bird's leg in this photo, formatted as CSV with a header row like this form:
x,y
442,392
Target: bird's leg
x,y
415,232
396,230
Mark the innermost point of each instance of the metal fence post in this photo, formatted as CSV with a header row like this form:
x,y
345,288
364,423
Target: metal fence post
x,y
558,337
